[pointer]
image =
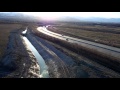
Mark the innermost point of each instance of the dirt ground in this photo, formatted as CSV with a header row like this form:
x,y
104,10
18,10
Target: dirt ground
x,y
63,66
5,30
18,61
100,34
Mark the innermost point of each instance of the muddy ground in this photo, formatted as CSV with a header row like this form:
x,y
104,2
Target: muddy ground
x,y
62,66
18,61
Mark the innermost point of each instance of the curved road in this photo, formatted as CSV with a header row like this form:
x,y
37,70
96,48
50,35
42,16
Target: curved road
x,y
58,67
62,66
107,50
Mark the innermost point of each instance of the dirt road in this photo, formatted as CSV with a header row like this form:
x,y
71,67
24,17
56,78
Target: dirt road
x,y
19,62
62,66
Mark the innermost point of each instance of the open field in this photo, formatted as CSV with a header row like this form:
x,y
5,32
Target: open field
x,y
82,60
5,30
109,35
105,60
88,61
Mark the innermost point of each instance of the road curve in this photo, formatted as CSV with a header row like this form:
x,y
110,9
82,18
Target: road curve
x,y
107,50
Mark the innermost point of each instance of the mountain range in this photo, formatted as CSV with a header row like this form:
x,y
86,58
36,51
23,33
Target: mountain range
x,y
90,19
16,16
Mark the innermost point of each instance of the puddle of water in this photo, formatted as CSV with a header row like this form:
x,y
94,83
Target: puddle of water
x,y
43,68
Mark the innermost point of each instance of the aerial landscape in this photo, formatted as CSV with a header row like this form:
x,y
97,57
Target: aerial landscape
x,y
59,44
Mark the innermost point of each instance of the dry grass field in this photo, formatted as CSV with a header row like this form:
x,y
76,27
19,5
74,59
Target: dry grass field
x,y
94,55
5,30
109,35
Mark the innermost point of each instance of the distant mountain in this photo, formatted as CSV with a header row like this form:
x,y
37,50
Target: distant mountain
x,y
69,19
15,16
89,19
97,19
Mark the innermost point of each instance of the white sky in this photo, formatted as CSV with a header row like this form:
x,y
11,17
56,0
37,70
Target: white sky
x,y
54,15
81,14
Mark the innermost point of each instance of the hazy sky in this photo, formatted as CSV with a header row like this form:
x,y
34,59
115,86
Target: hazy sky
x,y
81,14
54,15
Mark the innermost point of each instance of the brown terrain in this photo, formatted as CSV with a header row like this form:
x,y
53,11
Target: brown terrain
x,y
63,59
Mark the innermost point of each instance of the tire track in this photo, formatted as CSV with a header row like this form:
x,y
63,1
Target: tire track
x,y
57,59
